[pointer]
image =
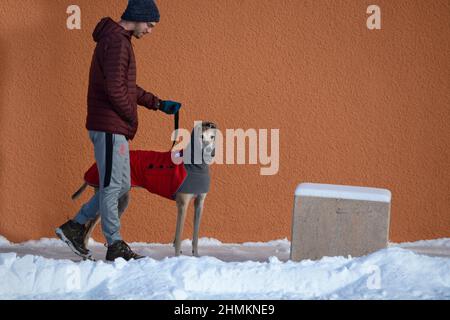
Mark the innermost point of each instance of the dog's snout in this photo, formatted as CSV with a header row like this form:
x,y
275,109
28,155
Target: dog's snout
x,y
210,151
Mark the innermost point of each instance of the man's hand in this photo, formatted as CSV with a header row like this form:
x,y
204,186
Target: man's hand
x,y
169,107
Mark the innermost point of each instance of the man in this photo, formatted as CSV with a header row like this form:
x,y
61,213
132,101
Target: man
x,y
112,120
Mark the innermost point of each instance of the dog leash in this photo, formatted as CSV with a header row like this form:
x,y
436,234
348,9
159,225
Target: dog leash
x,y
176,119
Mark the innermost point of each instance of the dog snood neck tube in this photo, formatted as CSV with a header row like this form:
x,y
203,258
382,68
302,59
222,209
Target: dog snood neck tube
x,y
198,178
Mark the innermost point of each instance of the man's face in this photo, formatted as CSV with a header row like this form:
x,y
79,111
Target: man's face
x,y
142,28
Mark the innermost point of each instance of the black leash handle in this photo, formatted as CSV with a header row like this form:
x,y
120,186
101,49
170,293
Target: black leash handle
x,y
176,119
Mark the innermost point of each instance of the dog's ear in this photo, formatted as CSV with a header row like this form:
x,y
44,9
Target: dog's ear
x,y
196,138
197,131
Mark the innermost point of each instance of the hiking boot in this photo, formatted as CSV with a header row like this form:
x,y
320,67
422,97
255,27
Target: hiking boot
x,y
72,233
119,249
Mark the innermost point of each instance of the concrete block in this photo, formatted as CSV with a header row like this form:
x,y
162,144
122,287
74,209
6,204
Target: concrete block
x,y
335,220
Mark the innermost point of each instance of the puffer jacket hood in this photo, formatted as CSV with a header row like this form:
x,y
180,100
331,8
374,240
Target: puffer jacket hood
x,y
108,26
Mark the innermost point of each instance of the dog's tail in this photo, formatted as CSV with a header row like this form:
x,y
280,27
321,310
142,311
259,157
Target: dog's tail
x,y
79,191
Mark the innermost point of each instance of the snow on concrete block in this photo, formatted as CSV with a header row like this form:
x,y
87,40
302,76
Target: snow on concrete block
x,y
336,220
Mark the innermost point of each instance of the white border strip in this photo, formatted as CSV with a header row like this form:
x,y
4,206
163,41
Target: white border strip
x,y
343,192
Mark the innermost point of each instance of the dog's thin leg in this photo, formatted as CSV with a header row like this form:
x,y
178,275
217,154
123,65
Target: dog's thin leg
x,y
198,204
182,200
89,228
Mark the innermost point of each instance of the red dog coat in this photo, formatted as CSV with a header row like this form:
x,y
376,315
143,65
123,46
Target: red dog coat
x,y
152,170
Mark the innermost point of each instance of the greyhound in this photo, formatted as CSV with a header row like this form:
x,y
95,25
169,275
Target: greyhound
x,y
195,186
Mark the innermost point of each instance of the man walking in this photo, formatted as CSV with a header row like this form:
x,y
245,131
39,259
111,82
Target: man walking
x,y
112,120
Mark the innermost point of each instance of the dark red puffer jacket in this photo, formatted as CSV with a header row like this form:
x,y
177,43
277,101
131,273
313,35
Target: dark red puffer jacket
x,y
113,94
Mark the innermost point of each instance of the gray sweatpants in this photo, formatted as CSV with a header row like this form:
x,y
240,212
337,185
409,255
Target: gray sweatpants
x,y
112,155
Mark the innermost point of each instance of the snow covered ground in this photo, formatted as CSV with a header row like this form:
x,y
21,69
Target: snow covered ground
x,y
46,269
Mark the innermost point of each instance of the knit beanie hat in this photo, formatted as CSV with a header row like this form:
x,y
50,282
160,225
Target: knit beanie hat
x,y
141,11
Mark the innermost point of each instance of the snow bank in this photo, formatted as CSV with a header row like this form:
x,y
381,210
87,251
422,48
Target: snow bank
x,y
3,241
392,273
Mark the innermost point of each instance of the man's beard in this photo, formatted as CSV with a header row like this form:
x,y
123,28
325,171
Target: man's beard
x,y
138,35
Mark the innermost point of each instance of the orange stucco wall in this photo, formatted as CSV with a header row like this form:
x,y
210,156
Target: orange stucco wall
x,y
358,107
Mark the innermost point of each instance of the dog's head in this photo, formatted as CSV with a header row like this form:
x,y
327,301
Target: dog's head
x,y
205,134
